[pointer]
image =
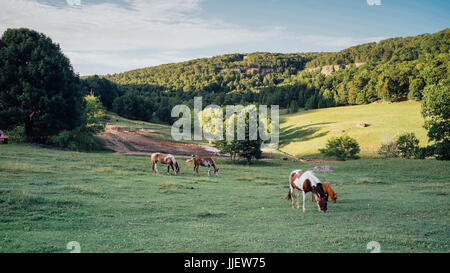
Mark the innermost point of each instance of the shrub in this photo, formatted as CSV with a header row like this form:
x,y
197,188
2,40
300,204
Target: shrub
x,y
408,145
343,148
17,134
75,140
442,150
389,150
424,152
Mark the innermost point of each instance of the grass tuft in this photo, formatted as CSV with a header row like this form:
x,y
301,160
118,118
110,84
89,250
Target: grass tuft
x,y
170,187
83,189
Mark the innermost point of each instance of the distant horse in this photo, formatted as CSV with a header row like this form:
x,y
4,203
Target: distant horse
x,y
168,159
205,162
305,182
328,191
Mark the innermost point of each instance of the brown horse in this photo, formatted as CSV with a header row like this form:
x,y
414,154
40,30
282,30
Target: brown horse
x,y
305,182
168,159
329,191
204,161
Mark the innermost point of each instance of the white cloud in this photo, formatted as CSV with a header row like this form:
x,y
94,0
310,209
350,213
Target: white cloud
x,y
73,2
107,38
100,33
374,2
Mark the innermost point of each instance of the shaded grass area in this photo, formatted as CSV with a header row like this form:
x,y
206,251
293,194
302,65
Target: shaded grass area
x,y
113,203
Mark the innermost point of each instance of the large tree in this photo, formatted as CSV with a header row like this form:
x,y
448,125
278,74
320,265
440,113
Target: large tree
x,y
436,111
38,87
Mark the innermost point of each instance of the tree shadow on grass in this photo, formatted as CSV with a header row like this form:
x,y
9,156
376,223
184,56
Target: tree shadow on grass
x,y
301,133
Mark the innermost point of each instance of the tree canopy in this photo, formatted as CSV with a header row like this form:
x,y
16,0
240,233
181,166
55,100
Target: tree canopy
x,y
38,88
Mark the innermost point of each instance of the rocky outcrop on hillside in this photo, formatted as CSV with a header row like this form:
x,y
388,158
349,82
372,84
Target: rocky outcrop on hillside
x,y
329,69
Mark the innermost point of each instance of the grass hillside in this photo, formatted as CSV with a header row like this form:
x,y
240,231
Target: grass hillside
x,y
113,203
155,130
303,133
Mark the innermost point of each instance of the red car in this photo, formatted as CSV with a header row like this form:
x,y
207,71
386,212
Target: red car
x,y
3,138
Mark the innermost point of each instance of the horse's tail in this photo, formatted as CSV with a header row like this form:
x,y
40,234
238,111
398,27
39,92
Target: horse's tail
x,y
153,159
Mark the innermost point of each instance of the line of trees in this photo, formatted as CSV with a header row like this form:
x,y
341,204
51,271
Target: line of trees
x,y
40,91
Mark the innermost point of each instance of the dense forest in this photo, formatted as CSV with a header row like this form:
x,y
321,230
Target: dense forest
x,y
391,70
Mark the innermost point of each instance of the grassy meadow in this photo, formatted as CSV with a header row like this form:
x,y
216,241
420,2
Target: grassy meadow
x,y
303,133
113,203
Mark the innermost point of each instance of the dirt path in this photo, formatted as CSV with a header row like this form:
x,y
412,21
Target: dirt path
x,y
132,143
128,141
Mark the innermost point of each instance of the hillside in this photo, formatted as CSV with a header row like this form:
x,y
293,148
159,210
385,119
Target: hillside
x,y
303,133
134,137
394,69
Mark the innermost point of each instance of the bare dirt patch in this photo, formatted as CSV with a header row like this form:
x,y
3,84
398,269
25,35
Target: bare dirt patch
x,y
131,141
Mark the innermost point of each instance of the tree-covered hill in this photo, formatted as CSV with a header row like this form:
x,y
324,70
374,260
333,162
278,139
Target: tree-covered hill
x,y
393,69
231,72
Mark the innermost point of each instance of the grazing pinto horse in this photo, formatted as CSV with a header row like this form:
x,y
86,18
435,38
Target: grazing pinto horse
x,y
169,160
305,182
204,161
328,191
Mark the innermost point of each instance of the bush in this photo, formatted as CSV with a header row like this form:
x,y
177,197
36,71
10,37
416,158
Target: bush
x,y
424,152
389,150
343,148
75,140
16,135
442,150
408,145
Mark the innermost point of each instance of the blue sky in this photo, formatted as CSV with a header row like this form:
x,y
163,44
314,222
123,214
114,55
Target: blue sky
x,y
110,36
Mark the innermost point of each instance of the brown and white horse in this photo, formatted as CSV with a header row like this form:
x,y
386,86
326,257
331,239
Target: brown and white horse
x,y
305,182
168,159
328,191
205,162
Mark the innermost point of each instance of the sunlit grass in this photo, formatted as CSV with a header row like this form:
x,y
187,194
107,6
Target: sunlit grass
x,y
303,133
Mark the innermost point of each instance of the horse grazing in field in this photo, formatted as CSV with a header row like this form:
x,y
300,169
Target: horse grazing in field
x,y
168,159
306,182
328,191
205,162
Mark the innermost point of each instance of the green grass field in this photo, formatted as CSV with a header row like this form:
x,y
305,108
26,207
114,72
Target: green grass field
x,y
305,132
113,203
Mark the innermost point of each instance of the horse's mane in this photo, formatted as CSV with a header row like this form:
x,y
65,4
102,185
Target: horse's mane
x,y
320,190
